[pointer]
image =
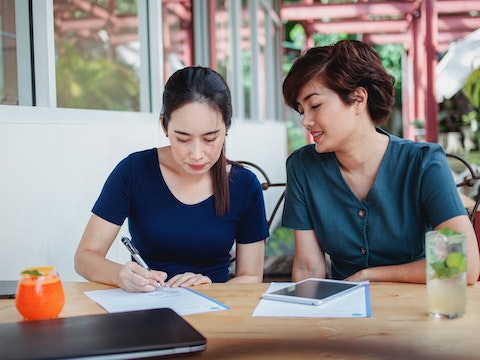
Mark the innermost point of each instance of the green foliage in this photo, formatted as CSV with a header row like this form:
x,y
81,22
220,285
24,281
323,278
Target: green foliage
x,y
124,7
294,40
86,79
471,88
418,123
329,39
297,36
280,242
296,136
391,56
468,118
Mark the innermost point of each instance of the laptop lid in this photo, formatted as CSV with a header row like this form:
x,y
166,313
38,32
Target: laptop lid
x,y
125,335
8,288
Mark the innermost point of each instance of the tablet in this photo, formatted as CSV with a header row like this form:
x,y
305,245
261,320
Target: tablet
x,y
313,291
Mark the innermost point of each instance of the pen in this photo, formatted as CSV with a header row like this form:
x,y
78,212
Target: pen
x,y
135,254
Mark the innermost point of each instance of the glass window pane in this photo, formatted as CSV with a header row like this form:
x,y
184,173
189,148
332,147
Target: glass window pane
x,y
97,54
8,54
221,35
177,35
226,36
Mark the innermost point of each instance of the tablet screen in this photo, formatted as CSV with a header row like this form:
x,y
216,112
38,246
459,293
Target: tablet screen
x,y
315,289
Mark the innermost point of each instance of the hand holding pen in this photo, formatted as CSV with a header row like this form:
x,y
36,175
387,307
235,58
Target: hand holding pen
x,y
136,256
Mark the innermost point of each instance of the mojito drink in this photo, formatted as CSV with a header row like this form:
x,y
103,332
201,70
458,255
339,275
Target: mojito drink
x,y
446,273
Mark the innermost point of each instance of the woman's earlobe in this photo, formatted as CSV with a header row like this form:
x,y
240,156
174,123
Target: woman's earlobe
x,y
360,97
360,94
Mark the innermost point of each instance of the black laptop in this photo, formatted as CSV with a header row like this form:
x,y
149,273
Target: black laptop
x,y
8,288
125,335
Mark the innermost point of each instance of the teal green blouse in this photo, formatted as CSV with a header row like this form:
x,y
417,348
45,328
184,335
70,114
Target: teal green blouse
x,y
414,191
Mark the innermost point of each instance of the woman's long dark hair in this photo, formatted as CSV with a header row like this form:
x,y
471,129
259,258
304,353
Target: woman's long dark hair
x,y
203,85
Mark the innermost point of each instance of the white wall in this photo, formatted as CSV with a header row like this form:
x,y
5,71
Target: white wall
x,y
54,162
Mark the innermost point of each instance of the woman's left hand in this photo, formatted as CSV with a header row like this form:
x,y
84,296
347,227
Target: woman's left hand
x,y
187,279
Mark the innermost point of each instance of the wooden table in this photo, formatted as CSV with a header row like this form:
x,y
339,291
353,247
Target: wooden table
x,y
398,329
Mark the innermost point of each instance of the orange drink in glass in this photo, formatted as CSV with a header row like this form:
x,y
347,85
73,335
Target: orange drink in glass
x,y
39,293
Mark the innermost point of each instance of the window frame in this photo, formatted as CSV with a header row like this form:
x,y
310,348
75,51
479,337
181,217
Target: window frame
x,y
37,79
24,65
36,61
272,106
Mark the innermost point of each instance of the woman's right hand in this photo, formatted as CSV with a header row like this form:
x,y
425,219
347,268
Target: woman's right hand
x,y
134,278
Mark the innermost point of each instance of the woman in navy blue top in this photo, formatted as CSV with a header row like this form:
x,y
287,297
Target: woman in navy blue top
x,y
360,195
186,204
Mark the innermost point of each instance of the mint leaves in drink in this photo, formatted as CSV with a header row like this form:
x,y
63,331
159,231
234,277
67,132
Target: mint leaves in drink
x,y
448,260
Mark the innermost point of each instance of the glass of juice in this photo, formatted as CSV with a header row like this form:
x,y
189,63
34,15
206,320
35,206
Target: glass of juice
x,y
39,293
446,273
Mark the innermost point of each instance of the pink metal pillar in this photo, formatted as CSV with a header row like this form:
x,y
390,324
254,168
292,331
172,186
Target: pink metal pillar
x,y
212,34
431,15
408,90
419,66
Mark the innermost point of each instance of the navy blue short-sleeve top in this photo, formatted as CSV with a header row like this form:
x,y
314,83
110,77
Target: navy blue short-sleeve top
x,y
175,237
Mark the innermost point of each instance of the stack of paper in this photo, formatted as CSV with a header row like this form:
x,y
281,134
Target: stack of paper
x,y
353,304
182,300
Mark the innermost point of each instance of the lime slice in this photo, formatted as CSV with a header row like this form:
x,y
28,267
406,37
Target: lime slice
x,y
456,260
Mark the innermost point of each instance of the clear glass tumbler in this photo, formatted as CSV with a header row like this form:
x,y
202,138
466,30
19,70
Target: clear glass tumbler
x,y
446,273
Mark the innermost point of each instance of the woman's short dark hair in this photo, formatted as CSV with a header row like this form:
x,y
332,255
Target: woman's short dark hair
x,y
343,67
196,84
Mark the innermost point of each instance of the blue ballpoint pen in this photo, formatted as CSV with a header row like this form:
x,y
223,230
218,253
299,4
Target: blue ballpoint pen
x,y
136,255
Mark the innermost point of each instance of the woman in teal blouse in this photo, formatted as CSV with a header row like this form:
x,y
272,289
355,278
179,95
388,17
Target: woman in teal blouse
x,y
360,195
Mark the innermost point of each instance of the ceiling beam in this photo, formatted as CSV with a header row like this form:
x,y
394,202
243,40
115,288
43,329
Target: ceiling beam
x,y
443,39
448,24
80,24
449,36
359,26
456,6
317,11
91,8
127,21
384,39
455,18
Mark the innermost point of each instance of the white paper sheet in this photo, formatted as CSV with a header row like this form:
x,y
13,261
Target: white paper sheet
x,y
182,300
353,304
